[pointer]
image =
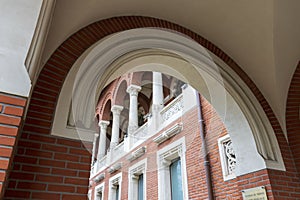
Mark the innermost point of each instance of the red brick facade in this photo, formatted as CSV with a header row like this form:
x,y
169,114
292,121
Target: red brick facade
x,y
194,159
48,167
11,112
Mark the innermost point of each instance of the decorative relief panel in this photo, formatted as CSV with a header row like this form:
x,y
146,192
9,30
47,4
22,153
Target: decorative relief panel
x,y
228,157
174,107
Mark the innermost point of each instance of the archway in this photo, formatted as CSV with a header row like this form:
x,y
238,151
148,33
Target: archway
x,y
181,57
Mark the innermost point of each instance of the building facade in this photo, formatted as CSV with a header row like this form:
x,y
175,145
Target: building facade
x,y
165,158
60,93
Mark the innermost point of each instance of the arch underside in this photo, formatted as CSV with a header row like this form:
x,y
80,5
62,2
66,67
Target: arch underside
x,y
179,56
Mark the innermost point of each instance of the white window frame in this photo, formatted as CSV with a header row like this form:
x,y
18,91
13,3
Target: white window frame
x,y
223,158
112,181
133,173
89,194
99,188
177,149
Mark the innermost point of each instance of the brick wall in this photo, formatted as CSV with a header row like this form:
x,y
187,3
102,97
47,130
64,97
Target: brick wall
x,y
11,112
293,116
45,166
48,167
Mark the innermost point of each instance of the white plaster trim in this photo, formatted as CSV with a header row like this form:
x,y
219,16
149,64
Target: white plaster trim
x,y
164,158
259,123
18,21
135,170
62,111
35,51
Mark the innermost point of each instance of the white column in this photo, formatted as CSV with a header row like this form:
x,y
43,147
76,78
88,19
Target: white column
x,y
116,110
158,98
102,140
94,147
133,114
133,108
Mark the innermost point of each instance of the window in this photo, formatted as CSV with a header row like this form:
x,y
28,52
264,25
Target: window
x,y
176,180
141,187
99,195
137,181
99,192
227,155
115,187
172,179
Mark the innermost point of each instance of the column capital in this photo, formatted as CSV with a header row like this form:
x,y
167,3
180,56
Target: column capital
x,y
103,123
116,109
133,89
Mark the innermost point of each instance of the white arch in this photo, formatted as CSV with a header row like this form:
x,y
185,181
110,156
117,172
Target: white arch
x,y
245,120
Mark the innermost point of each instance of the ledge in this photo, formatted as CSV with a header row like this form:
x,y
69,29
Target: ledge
x,y
115,167
99,178
137,153
177,128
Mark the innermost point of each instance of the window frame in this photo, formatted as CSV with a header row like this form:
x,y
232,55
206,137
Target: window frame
x,y
112,188
99,188
165,156
133,174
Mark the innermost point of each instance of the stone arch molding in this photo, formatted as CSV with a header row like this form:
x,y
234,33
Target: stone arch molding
x,y
175,54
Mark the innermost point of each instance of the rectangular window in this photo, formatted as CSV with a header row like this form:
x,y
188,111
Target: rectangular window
x,y
137,177
115,187
99,196
176,180
172,178
99,192
141,187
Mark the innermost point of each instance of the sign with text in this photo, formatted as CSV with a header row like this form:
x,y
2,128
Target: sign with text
x,y
258,193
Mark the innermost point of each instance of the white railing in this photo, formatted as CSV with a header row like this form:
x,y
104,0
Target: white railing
x,y
172,108
141,134
169,113
93,171
118,152
101,163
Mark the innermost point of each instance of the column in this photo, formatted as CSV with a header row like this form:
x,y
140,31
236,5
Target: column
x,y
133,108
133,114
96,135
102,140
116,110
158,99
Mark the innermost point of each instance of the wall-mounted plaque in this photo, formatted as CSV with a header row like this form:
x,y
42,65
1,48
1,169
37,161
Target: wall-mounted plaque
x,y
258,193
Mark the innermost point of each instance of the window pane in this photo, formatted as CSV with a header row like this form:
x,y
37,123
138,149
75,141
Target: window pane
x,y
176,180
117,192
141,187
99,196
